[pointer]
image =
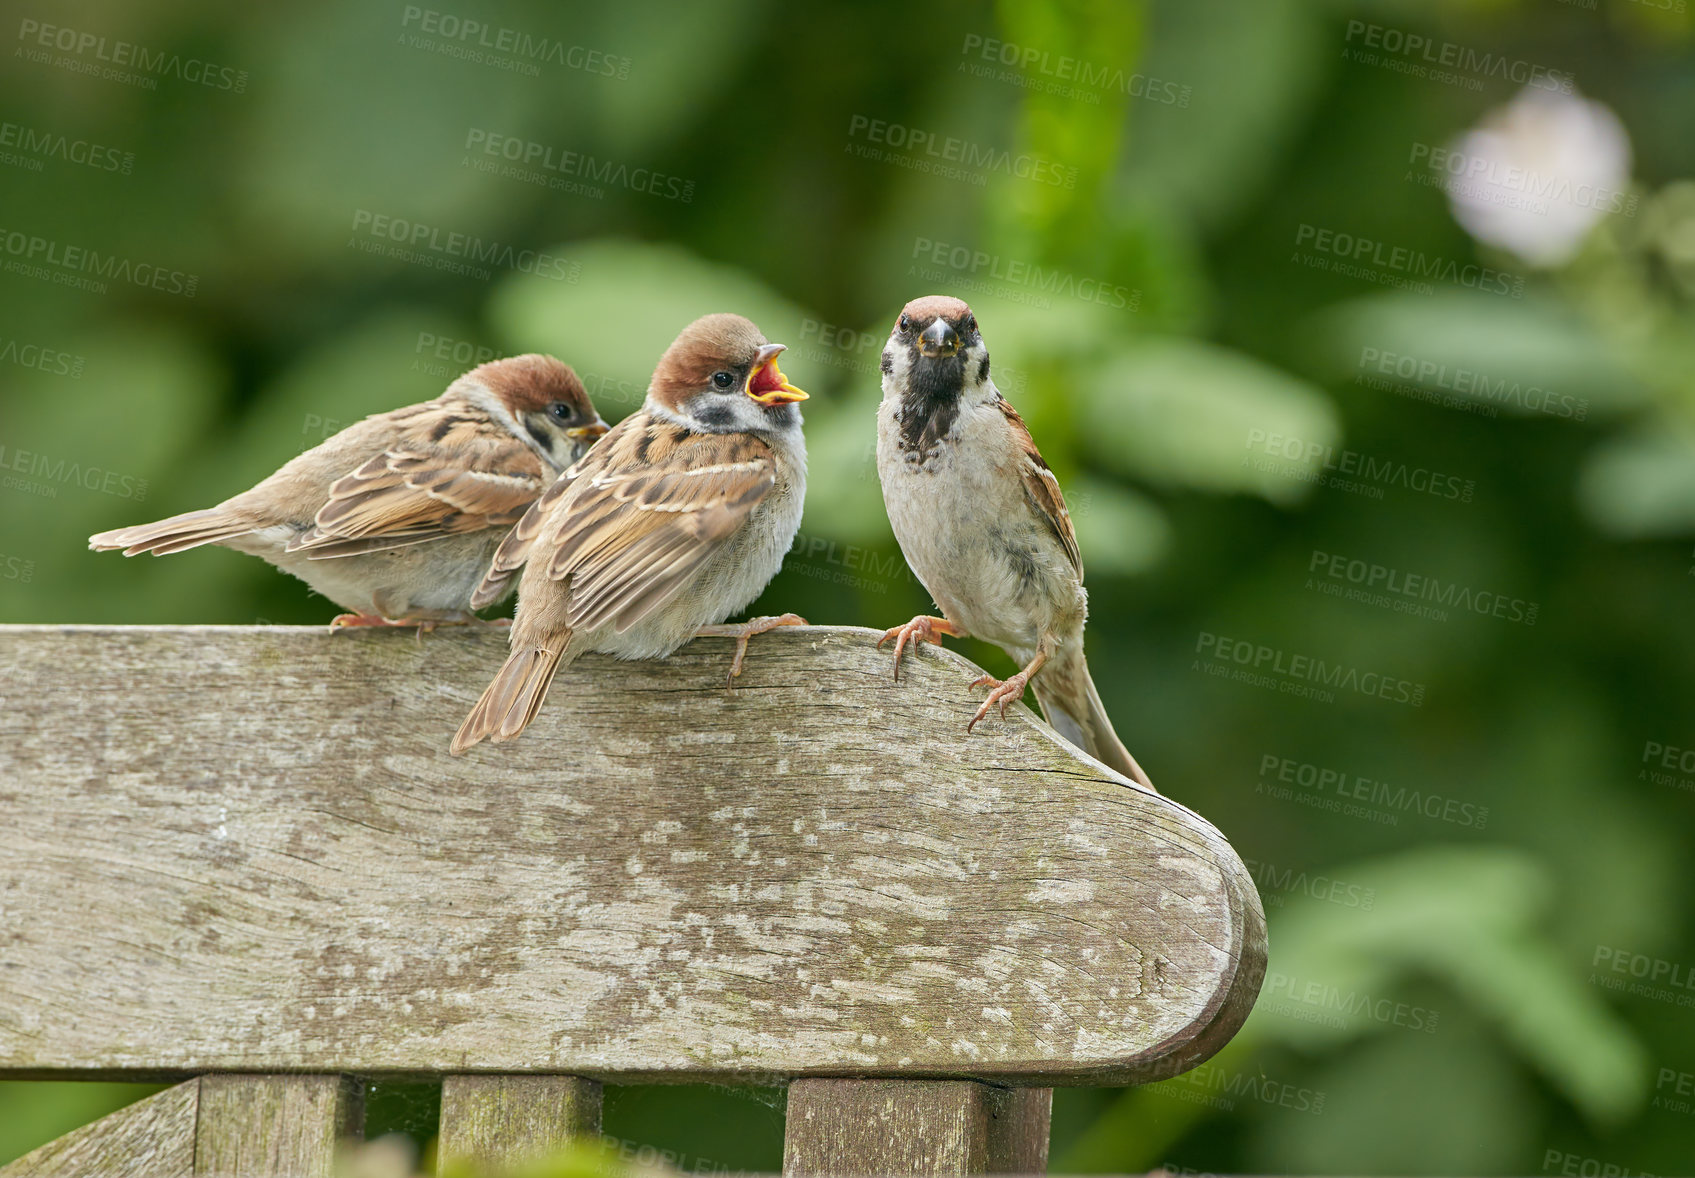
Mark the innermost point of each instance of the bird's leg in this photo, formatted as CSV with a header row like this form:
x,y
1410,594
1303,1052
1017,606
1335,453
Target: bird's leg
x,y
1007,691
742,631
920,629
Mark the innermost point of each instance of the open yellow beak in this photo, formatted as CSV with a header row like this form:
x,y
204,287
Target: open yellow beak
x,y
767,384
587,431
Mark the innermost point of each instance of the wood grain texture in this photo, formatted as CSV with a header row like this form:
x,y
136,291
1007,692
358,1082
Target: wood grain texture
x,y
503,1121
154,1136
275,1126
246,849
917,1127
1019,1131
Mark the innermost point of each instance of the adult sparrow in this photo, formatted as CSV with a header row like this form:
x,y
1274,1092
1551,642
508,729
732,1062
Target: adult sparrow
x,y
397,516
982,522
677,519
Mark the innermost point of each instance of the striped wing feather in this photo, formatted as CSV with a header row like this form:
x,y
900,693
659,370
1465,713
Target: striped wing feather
x,y
1041,488
448,474
639,516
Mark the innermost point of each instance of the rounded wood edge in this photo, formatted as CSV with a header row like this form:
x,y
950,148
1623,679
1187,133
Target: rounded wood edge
x,y
1221,1017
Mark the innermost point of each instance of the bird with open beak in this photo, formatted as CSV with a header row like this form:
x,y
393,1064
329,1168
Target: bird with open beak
x,y
396,517
679,518
982,522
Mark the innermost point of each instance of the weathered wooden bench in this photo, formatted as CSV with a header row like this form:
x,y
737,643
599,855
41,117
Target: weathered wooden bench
x,y
242,858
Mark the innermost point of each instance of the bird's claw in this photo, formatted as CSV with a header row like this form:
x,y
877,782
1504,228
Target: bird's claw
x,y
745,631
919,630
1002,692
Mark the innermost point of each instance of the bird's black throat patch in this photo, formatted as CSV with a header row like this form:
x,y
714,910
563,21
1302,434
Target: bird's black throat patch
x,y
930,403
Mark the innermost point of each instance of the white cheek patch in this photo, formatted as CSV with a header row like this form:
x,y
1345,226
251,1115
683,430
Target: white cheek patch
x,y
480,396
974,365
723,413
977,387
895,356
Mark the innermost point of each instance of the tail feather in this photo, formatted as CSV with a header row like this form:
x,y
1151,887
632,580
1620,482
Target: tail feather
x,y
1073,706
176,534
515,695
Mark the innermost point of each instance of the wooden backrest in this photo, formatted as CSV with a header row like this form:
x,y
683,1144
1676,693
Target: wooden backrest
x,y
246,850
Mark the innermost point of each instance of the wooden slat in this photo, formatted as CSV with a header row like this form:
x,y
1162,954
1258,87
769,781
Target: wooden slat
x,y
246,849
1020,1130
154,1136
917,1127
502,1121
275,1126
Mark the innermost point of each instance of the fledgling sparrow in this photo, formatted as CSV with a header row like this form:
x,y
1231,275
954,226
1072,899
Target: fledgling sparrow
x,y
982,522
396,517
679,518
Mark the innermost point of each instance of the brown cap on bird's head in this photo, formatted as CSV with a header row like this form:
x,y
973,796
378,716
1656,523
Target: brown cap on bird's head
x,y
721,353
530,381
936,324
538,384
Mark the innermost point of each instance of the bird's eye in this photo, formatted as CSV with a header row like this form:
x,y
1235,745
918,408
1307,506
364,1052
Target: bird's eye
x,y
560,411
906,322
970,324
723,380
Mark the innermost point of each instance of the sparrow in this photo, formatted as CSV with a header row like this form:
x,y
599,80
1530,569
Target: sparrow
x,y
679,518
396,517
982,522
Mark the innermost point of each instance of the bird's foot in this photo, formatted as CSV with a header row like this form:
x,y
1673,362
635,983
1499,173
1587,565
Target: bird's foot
x,y
1001,692
422,625
920,629
742,631
354,621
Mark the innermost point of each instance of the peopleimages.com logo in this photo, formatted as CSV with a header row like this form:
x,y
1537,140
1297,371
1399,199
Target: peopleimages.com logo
x,y
1355,795
1425,379
1353,255
1309,1000
978,267
83,52
37,473
65,263
513,50
924,150
1062,75
1421,593
51,361
1319,463
1297,674
553,166
1503,182
30,147
453,251
1420,55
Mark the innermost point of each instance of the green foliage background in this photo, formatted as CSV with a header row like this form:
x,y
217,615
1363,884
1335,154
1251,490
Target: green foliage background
x,y
1239,122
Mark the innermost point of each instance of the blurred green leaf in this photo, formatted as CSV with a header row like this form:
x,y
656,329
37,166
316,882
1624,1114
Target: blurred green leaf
x,y
1474,1112
1118,531
1224,89
1642,483
1470,918
1183,414
1529,358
